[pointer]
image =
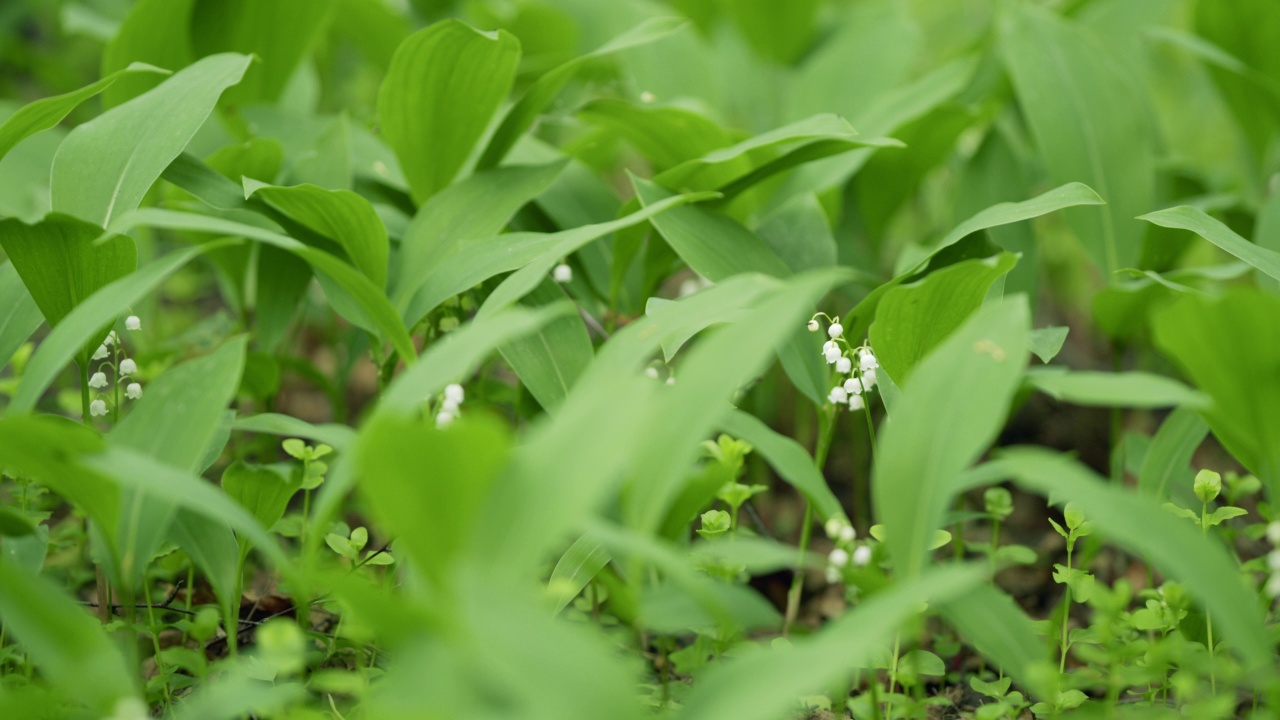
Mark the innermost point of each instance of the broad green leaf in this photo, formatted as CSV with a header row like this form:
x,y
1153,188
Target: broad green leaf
x,y
61,265
44,114
1266,234
199,389
1246,28
1174,547
799,233
212,547
336,436
913,319
787,457
780,34
665,135
1225,346
713,244
42,447
200,179
1046,343
989,620
62,639
965,385
263,490
371,299
340,215
105,166
280,33
478,207
1188,218
727,301
1127,389
256,158
575,569
156,32
283,279
19,314
549,360
1089,123
1167,463
522,115
443,87
435,515
765,684
531,255
98,311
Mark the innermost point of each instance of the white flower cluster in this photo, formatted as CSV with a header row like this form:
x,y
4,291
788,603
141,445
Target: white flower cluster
x,y
450,405
1273,559
846,551
562,273
111,351
862,374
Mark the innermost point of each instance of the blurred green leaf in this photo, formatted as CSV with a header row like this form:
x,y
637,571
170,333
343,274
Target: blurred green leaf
x,y
19,314
549,360
1167,463
264,491
1188,218
1127,389
788,458
155,32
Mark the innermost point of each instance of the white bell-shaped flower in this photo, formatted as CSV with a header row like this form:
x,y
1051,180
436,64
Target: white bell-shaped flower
x,y
835,331
98,380
454,393
562,273
111,338
838,558
848,534
868,379
832,526
813,326
128,367
101,352
443,419
133,391
837,395
832,353
853,386
449,406
856,402
133,322
867,360
98,408
862,555
844,365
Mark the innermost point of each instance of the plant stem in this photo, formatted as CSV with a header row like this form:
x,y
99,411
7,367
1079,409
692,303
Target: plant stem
x,y
115,382
155,643
1208,619
1066,614
826,427
84,391
893,675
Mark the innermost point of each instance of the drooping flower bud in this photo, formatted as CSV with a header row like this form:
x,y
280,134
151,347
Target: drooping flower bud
x,y
133,391
97,408
562,273
835,331
98,381
133,322
128,367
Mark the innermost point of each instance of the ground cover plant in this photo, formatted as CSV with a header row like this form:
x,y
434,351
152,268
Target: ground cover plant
x,y
694,359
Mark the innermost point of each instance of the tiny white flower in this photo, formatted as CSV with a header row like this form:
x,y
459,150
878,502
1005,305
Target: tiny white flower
x,y
111,338
443,419
862,555
133,322
562,274
651,372
868,379
1273,532
128,367
1273,586
454,392
1273,560
101,352
98,381
853,386
833,575
133,391
449,406
832,527
835,331
844,365
813,326
856,402
867,360
832,354
847,533
671,380
838,557
97,408
837,395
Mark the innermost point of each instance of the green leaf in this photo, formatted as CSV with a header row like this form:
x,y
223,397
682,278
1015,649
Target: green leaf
x,y
280,33
478,207
1224,346
1127,389
1086,115
61,265
19,314
105,166
665,135
574,570
966,386
1172,546
337,436
713,244
1046,343
370,297
992,622
62,639
764,684
156,32
44,114
522,115
340,215
1223,514
264,491
444,84
550,360
97,311
912,320
212,547
432,517
13,524
1185,217
1167,462
727,301
787,457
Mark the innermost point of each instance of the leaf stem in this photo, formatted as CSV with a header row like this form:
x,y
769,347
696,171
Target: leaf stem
x,y
826,428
